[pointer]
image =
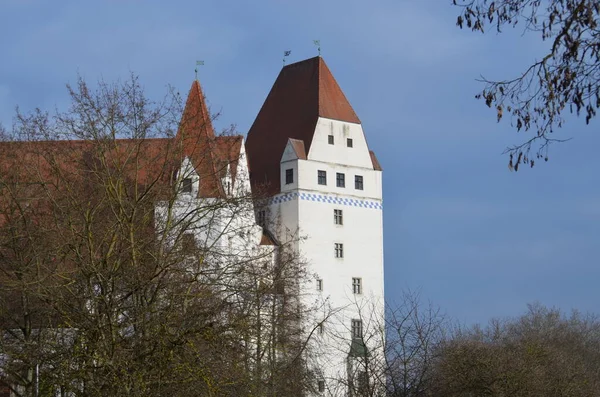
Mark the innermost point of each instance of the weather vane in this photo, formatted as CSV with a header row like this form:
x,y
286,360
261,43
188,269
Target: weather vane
x,y
285,55
318,44
198,63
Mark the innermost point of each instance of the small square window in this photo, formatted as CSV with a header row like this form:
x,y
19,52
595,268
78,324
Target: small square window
x,y
339,250
338,217
321,386
340,179
322,177
349,142
330,139
186,185
358,182
289,176
356,285
357,331
319,285
188,242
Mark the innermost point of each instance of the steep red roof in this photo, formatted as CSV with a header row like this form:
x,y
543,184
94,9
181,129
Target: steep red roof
x,y
376,165
298,147
227,151
303,92
197,139
144,161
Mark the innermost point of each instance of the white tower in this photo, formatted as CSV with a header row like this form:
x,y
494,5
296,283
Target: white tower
x,y
308,151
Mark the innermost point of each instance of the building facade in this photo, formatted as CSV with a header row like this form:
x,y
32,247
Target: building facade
x,y
305,179
308,155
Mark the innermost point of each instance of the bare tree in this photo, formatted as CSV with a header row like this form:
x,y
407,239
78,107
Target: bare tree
x,y
117,280
395,356
566,78
414,332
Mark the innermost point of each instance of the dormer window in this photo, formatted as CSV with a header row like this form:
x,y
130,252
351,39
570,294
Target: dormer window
x,y
186,185
330,139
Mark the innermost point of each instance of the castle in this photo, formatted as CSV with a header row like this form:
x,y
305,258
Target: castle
x,y
307,159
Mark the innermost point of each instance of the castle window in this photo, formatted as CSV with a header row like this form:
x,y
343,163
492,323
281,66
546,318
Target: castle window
x,y
338,218
319,284
340,179
330,139
357,329
339,250
321,386
356,285
349,142
188,242
289,176
186,185
262,218
321,328
363,383
358,182
322,177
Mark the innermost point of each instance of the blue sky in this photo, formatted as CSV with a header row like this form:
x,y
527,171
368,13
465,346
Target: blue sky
x,y
474,238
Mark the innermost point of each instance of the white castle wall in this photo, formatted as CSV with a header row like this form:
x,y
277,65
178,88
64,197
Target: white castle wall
x,y
309,207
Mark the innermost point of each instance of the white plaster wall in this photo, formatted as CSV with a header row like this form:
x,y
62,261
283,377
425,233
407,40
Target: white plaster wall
x,y
308,179
289,164
362,237
309,207
339,153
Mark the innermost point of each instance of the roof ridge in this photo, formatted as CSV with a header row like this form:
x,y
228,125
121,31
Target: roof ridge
x,y
297,63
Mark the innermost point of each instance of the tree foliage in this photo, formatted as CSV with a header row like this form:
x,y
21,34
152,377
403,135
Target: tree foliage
x,y
542,353
565,79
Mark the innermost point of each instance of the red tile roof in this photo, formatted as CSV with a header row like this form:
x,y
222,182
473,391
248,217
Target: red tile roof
x,y
143,160
267,238
303,92
197,137
298,147
376,165
227,152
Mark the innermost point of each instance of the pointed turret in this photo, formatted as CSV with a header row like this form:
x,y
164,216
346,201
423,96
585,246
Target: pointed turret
x,y
196,138
303,92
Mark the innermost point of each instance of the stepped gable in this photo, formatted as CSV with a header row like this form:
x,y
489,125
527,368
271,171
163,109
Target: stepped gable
x,y
303,92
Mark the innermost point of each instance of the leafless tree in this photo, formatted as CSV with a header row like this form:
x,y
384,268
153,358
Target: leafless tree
x,y
414,332
395,356
566,78
109,285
